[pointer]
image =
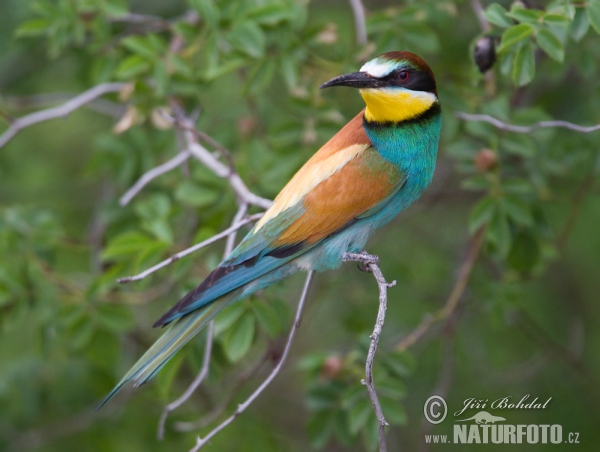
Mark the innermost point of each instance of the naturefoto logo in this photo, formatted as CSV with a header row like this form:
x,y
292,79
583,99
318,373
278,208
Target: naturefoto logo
x,y
483,417
485,428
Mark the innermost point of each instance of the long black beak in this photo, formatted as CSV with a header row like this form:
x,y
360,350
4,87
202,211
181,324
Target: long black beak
x,y
355,80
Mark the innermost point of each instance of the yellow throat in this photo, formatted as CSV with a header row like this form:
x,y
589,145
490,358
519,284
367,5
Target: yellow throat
x,y
395,104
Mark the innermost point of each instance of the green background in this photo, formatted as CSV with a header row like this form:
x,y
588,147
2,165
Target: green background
x,y
526,323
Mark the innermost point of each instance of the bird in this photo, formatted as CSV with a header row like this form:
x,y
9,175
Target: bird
x,y
377,165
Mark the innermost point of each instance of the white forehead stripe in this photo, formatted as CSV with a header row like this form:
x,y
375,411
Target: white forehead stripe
x,y
378,67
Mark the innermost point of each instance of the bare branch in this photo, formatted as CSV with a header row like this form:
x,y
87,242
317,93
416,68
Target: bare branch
x,y
44,100
60,111
243,406
212,415
190,250
526,129
192,387
181,157
371,263
360,23
212,163
462,279
222,170
478,10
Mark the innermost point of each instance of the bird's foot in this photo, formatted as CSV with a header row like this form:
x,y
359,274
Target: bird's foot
x,y
363,258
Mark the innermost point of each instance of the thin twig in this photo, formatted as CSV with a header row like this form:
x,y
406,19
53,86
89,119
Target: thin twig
x,y
462,279
526,129
212,163
212,415
190,250
192,387
360,23
181,157
60,111
45,100
371,263
478,10
243,406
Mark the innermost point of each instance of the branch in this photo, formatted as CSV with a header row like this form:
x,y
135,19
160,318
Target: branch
x,y
212,163
478,10
60,111
192,387
44,100
243,406
360,23
462,279
371,263
222,406
181,157
190,250
526,129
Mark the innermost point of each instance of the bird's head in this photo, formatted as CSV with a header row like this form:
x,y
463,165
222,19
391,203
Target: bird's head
x,y
396,86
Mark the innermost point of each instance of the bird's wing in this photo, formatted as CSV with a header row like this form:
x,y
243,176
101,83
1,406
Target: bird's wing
x,y
345,180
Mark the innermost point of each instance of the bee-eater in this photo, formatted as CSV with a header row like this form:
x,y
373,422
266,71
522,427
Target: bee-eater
x,y
374,167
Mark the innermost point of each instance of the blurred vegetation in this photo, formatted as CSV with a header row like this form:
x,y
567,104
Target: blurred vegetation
x,y
527,323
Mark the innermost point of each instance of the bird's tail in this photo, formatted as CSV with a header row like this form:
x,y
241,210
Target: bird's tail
x,y
176,336
183,329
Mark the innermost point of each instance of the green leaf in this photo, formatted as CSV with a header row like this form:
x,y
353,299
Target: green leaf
x,y
323,397
131,67
524,65
525,14
228,317
141,46
358,415
498,232
159,228
556,19
551,45
161,77
82,333
270,14
400,364
593,13
289,71
181,66
267,316
261,75
524,253
580,25
230,65
208,11
517,209
248,38
115,317
167,374
156,206
195,195
33,28
127,243
239,337
340,428
319,428
481,213
514,35
497,15
393,410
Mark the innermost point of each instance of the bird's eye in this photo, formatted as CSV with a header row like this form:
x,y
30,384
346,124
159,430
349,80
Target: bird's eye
x,y
403,76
